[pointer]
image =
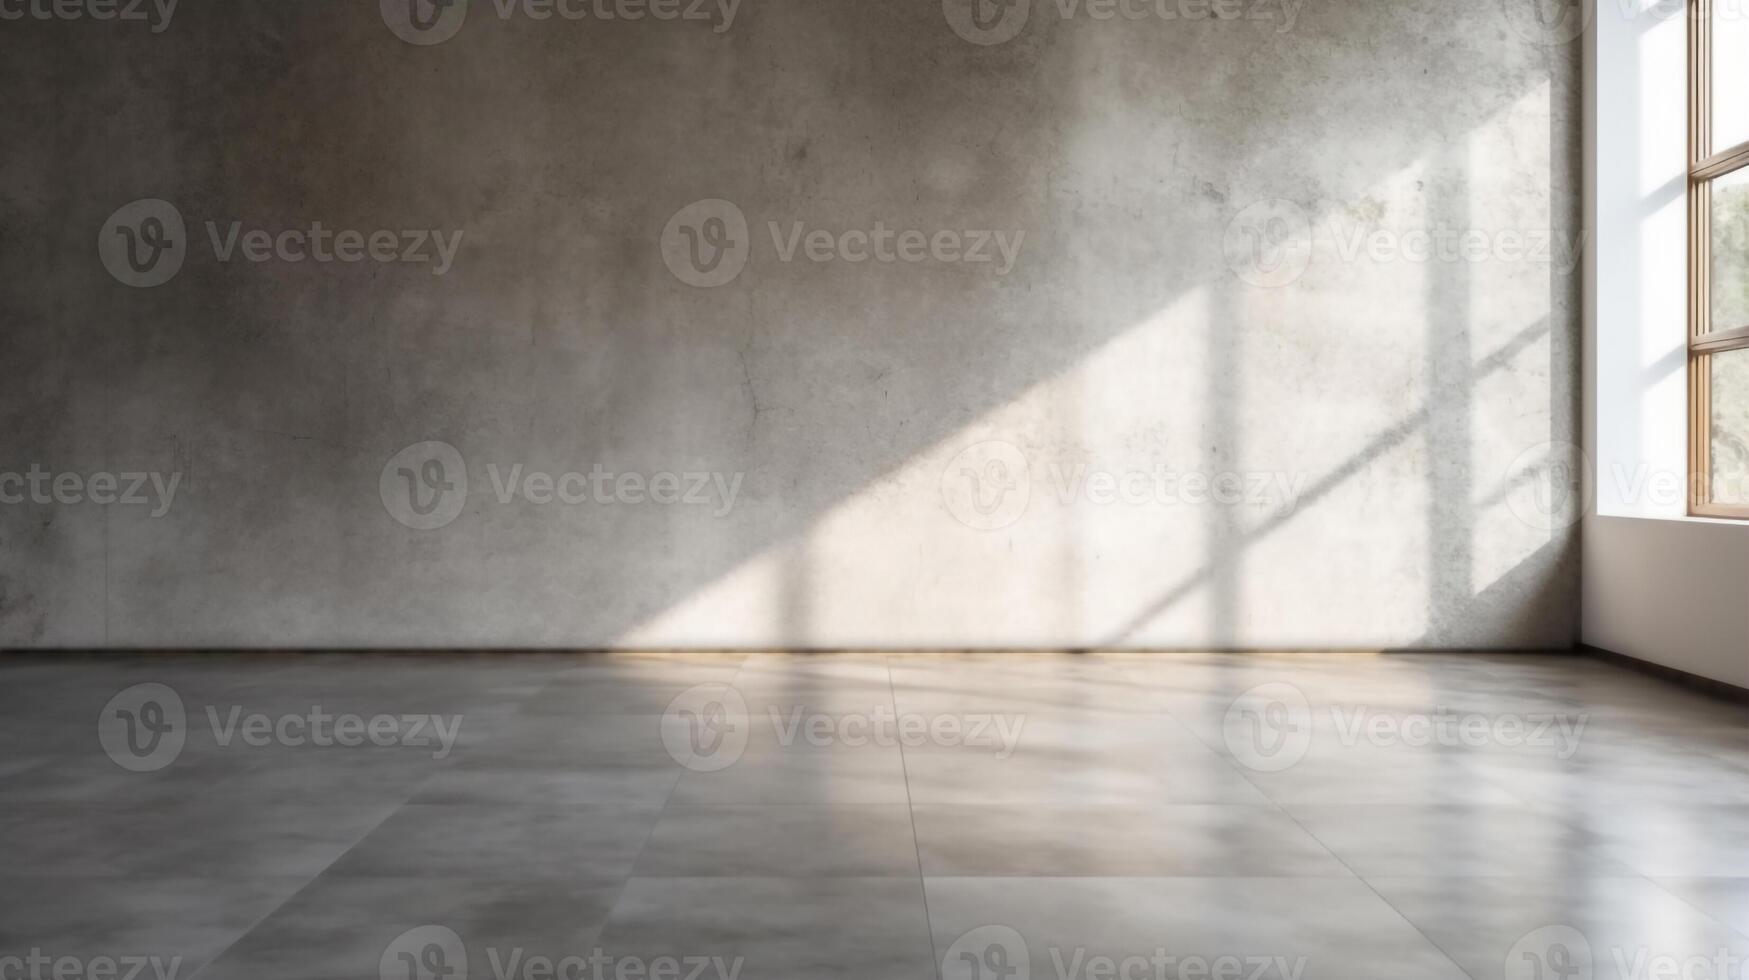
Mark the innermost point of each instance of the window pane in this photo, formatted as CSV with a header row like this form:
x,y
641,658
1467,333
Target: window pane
x,y
1730,238
1730,73
1730,435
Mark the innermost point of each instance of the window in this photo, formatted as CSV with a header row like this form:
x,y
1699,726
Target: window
x,y
1718,278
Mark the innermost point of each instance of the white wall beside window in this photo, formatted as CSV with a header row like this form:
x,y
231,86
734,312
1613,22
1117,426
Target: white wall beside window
x,y
1656,584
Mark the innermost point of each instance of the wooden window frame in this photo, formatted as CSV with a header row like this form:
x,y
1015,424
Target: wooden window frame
x,y
1704,167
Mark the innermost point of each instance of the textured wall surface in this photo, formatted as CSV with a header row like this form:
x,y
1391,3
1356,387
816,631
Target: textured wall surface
x,y
1256,325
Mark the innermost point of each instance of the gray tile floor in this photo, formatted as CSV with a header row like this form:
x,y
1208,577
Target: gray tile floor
x,y
1091,817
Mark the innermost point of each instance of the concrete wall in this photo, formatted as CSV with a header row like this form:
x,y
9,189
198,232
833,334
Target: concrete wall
x,y
1658,585
1319,255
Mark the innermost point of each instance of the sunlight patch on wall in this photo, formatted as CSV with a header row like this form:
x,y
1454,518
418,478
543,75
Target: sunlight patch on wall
x,y
1509,160
1064,493
1334,369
